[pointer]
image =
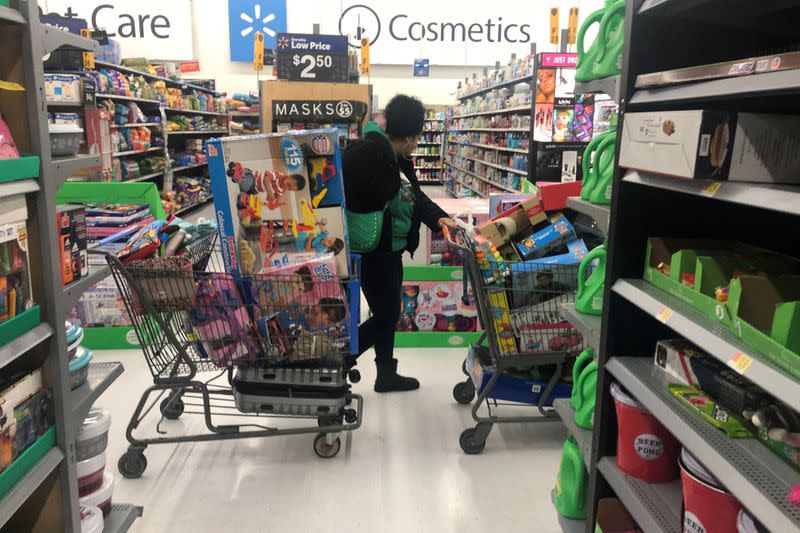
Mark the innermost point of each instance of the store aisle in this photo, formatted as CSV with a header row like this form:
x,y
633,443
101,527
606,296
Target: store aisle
x,y
403,471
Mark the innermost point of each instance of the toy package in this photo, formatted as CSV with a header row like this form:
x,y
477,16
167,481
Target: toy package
x,y
24,414
436,306
101,306
15,276
279,200
541,328
544,239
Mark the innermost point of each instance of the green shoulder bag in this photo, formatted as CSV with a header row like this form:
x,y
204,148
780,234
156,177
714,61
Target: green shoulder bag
x,y
364,230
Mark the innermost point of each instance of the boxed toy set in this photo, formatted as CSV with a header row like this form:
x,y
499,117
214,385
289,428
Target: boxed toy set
x,y
71,220
436,306
279,200
15,277
720,145
24,414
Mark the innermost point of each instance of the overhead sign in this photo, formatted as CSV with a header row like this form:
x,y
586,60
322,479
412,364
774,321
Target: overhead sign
x,y
155,29
245,17
398,32
319,110
422,67
306,57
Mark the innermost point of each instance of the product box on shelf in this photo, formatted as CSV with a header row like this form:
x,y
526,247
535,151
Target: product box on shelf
x,y
765,149
518,219
15,277
71,220
766,315
559,162
674,358
268,213
554,194
789,454
699,272
710,410
101,306
543,240
24,415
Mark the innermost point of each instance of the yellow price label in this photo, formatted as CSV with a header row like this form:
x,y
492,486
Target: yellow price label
x,y
664,314
365,56
553,25
258,52
88,57
572,28
740,362
711,189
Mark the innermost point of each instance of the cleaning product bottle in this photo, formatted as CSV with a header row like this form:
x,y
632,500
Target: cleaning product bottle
x,y
570,493
587,164
603,171
586,58
589,299
585,357
607,59
586,389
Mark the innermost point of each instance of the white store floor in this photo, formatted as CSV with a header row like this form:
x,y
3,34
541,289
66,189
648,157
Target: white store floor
x,y
403,471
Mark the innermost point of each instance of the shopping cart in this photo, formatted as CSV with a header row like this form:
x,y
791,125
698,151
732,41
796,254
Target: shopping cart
x,y
279,350
520,357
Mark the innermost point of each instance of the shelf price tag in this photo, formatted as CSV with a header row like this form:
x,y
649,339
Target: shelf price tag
x,y
572,28
88,57
711,189
664,314
553,25
258,52
306,57
740,362
365,56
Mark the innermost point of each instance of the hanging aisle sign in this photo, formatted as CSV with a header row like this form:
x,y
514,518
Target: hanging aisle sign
x,y
319,110
307,57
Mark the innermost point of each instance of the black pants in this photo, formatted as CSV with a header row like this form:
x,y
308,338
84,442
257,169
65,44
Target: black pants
x,y
382,283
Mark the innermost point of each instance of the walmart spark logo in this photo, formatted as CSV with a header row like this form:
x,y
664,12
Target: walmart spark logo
x,y
283,43
245,17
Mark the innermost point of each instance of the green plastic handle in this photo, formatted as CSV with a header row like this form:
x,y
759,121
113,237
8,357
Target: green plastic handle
x,y
608,142
587,371
604,25
600,251
583,359
596,140
595,17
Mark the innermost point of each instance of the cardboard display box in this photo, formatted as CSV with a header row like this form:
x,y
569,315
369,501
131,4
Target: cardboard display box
x,y
516,220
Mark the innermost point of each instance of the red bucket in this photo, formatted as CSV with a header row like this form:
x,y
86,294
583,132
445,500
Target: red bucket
x,y
645,449
708,507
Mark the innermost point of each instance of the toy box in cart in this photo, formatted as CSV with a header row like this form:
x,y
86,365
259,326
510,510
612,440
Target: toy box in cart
x,y
279,199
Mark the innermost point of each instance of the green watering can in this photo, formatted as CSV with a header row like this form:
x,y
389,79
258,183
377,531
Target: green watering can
x,y
586,391
586,58
589,299
572,483
588,162
607,59
603,171
585,357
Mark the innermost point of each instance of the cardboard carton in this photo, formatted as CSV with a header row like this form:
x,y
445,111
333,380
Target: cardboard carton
x,y
513,221
541,241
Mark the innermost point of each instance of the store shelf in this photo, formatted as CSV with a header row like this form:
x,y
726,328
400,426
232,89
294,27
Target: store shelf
x,y
588,325
26,486
137,152
758,85
24,343
485,90
494,130
710,336
66,166
425,155
473,189
423,143
749,470
63,104
121,518
582,436
74,290
196,165
13,188
600,213
609,86
782,198
134,125
127,98
168,81
101,376
430,182
499,148
53,38
483,178
198,132
432,131
195,112
505,111
145,177
503,167
244,113
193,206
8,15
655,507
427,168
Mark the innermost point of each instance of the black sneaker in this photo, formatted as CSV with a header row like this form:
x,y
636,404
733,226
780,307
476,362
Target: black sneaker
x,y
389,380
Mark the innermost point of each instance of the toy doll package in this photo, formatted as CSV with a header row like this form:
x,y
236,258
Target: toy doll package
x,y
436,306
279,200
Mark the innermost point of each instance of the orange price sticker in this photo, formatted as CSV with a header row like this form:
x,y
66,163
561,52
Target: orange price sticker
x,y
664,314
740,362
711,189
88,57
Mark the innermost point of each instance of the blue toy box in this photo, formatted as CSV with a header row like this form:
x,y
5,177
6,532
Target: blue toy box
x,y
558,231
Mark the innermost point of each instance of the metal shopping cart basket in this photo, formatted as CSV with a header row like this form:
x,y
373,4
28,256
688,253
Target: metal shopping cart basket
x,y
520,357
267,346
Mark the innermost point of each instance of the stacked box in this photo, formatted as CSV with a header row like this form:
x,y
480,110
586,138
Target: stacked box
x,y
71,220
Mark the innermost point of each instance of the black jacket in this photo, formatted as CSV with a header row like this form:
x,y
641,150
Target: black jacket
x,y
371,175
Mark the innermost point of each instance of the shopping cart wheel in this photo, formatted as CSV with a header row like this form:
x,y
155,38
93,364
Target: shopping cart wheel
x,y
132,464
469,444
173,410
464,392
350,416
325,450
354,376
